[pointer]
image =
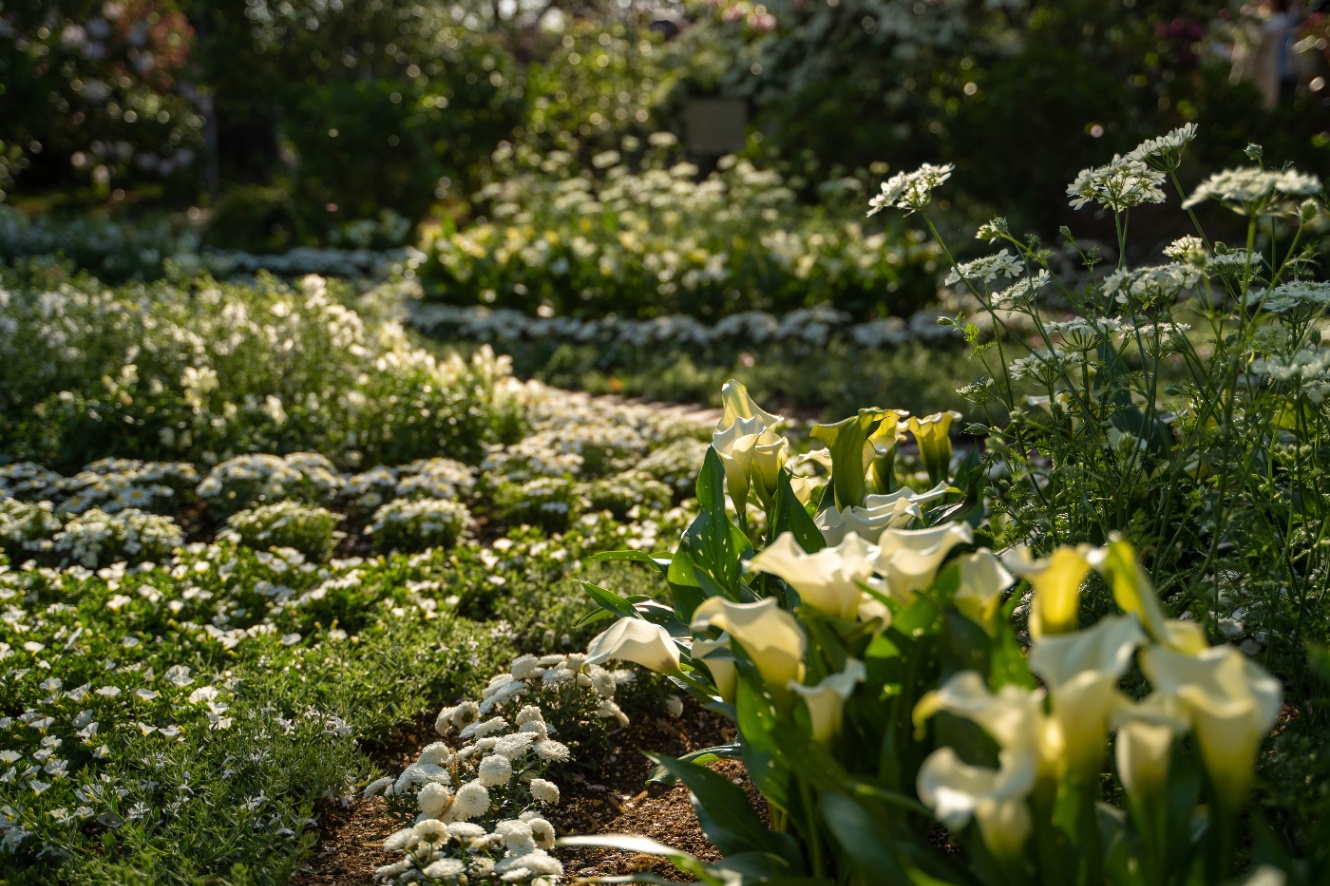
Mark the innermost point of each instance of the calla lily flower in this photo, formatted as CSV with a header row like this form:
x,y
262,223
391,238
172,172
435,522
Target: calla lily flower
x,y
723,672
1146,732
880,450
639,641
877,514
737,404
933,434
982,581
752,455
1081,671
826,700
910,558
1231,702
957,791
826,580
748,446
769,635
1056,606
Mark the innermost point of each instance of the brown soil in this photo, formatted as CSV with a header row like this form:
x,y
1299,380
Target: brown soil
x,y
613,800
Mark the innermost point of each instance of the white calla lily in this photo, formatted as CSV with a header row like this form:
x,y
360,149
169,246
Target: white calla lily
x,y
769,635
1056,605
723,672
639,641
1231,702
1146,732
957,791
877,514
1081,671
982,582
826,700
827,580
909,558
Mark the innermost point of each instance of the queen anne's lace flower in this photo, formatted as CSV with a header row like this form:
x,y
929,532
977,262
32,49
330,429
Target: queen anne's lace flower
x,y
1295,295
1252,190
1120,185
986,269
1165,152
910,191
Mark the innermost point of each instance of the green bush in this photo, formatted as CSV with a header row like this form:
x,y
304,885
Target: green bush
x,y
309,530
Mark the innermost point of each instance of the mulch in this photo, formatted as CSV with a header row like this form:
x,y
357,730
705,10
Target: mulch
x,y
613,799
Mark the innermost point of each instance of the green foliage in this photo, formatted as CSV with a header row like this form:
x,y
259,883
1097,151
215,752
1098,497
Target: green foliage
x,y
309,530
666,241
169,371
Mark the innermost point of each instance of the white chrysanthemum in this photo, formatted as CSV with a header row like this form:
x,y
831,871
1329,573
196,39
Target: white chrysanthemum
x,y
910,191
545,791
436,754
388,871
517,837
514,745
542,832
495,770
379,786
1120,185
986,269
434,800
466,830
526,667
552,751
445,869
472,799
432,831
400,841
528,714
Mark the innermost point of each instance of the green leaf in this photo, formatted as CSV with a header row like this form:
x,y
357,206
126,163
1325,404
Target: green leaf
x,y
789,515
610,601
846,441
659,562
724,813
729,751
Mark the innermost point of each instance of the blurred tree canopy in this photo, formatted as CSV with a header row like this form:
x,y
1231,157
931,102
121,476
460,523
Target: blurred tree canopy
x,y
300,115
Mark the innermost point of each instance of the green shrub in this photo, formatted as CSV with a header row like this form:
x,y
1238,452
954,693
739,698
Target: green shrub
x,y
286,524
419,525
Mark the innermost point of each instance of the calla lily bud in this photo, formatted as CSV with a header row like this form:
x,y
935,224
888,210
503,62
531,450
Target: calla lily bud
x,y
910,558
723,672
826,580
826,700
933,434
639,641
982,582
1146,732
769,635
1232,704
880,451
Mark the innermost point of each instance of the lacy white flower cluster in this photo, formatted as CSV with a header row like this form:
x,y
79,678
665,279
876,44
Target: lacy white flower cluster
x,y
476,802
27,527
639,242
254,479
418,524
114,484
287,524
96,538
